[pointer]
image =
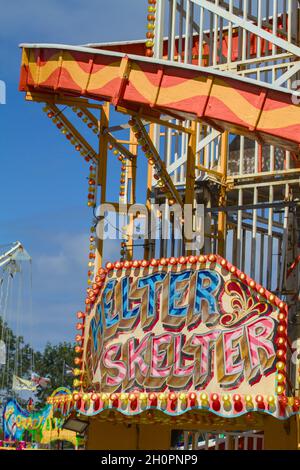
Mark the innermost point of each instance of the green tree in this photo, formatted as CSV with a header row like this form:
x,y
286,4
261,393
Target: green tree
x,y
19,357
52,363
21,360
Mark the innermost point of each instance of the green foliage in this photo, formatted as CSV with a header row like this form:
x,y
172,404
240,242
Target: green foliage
x,y
51,363
18,358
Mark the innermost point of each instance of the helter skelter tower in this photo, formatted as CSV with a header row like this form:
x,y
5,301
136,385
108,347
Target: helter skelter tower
x,y
189,337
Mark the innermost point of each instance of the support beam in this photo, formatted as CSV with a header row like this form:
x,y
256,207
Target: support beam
x,y
60,99
161,168
132,166
102,173
148,249
112,140
204,142
90,115
159,28
288,74
272,173
73,130
270,182
152,119
222,201
123,150
216,174
258,206
190,179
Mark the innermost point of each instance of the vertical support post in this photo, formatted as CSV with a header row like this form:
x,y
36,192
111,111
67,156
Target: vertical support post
x,y
172,31
230,444
261,261
243,261
201,31
186,440
254,236
234,246
215,37
229,51
292,9
148,249
190,174
270,240
165,228
161,244
103,146
195,437
239,231
159,28
259,23
207,221
222,222
260,159
270,226
132,191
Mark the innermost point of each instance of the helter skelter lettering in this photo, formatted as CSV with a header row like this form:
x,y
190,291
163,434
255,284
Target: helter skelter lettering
x,y
180,330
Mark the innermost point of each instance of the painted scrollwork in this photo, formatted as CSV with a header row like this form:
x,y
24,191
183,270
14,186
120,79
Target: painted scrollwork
x,y
243,304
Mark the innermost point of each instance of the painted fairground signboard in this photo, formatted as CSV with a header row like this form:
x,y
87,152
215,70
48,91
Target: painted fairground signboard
x,y
40,426
193,324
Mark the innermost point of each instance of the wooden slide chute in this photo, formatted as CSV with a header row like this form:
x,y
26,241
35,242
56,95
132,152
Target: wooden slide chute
x,y
154,87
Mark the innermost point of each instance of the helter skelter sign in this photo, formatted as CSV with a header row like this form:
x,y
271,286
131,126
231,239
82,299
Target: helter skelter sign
x,y
186,324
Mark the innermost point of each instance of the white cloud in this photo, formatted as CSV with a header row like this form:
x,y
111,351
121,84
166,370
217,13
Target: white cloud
x,y
59,286
72,253
60,271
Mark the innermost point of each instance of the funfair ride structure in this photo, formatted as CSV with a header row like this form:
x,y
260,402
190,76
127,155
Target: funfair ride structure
x,y
210,99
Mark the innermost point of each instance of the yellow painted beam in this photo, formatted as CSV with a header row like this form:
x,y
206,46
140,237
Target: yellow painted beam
x,y
132,194
190,174
102,177
60,99
222,216
163,171
209,171
148,197
154,120
72,129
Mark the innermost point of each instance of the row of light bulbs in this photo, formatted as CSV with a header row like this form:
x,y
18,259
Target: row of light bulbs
x,y
175,401
92,255
85,119
68,133
92,179
123,160
150,28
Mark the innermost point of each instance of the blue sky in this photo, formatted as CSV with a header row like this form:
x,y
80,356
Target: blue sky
x,y
43,188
